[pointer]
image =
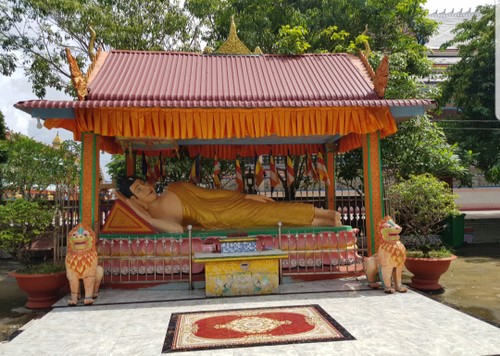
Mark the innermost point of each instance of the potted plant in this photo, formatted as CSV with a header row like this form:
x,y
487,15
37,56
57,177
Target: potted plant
x,y
422,203
21,224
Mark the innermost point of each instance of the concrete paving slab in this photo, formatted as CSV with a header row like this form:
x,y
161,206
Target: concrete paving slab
x,y
134,322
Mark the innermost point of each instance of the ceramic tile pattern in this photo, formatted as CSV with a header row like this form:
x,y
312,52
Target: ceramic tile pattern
x,y
134,322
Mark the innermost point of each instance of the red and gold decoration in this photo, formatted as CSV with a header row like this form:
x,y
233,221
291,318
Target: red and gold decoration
x,y
239,176
216,173
259,172
194,173
275,181
89,185
81,264
123,220
154,169
322,171
251,327
290,174
311,170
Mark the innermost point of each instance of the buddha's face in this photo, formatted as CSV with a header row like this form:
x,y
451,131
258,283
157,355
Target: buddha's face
x,y
143,191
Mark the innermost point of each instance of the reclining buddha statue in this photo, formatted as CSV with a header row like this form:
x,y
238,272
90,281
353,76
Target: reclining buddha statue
x,y
183,204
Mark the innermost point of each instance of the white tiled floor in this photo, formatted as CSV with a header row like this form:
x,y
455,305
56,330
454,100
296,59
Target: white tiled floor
x,y
134,322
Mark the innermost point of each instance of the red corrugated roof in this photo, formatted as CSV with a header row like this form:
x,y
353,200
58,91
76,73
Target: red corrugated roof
x,y
337,83
192,80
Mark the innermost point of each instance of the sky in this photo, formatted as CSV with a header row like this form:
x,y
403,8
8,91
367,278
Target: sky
x,y
16,88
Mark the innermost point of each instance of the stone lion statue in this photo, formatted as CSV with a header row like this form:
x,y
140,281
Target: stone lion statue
x,y
81,264
387,264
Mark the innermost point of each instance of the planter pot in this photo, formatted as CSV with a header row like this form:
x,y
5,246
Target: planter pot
x,y
43,289
427,271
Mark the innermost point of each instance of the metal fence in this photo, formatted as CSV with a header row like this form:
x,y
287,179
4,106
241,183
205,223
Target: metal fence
x,y
137,259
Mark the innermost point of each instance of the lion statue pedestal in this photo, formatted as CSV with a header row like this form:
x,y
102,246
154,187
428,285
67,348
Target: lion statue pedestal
x,y
81,264
388,262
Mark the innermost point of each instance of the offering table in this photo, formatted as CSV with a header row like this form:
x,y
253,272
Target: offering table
x,y
241,273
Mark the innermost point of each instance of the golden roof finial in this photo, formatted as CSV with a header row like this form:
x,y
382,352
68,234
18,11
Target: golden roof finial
x,y
56,142
233,44
258,50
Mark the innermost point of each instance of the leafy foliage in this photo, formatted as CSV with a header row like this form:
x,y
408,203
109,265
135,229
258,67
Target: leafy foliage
x,y
3,136
397,27
21,223
419,147
34,34
32,166
292,40
470,86
421,204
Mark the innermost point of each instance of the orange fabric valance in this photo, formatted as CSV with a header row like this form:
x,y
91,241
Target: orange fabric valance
x,y
206,124
232,151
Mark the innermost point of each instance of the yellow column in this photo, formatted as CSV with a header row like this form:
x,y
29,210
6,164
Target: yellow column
x,y
89,180
374,205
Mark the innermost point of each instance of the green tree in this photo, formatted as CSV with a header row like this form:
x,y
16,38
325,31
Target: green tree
x,y
3,127
32,166
117,168
397,27
421,203
470,86
34,34
420,147
21,224
3,150
292,40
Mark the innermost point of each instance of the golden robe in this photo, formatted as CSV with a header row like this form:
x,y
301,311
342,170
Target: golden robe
x,y
219,209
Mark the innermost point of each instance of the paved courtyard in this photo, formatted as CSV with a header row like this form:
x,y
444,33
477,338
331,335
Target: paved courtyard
x,y
134,322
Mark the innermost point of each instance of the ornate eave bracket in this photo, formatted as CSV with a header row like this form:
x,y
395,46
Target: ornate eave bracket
x,y
380,77
79,80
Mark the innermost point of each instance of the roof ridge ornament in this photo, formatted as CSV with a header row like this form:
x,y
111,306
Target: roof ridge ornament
x,y
233,44
79,80
364,55
367,64
381,76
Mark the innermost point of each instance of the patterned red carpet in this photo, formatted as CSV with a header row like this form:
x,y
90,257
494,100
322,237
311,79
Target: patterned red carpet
x,y
251,327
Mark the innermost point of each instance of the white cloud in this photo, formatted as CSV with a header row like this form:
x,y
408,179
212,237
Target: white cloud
x,y
15,89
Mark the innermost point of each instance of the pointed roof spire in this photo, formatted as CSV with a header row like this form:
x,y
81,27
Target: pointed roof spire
x,y
233,44
56,142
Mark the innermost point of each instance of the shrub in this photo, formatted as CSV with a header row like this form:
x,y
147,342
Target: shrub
x,y
421,204
22,223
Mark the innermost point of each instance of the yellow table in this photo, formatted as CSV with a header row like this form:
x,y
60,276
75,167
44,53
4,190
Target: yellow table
x,y
241,273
